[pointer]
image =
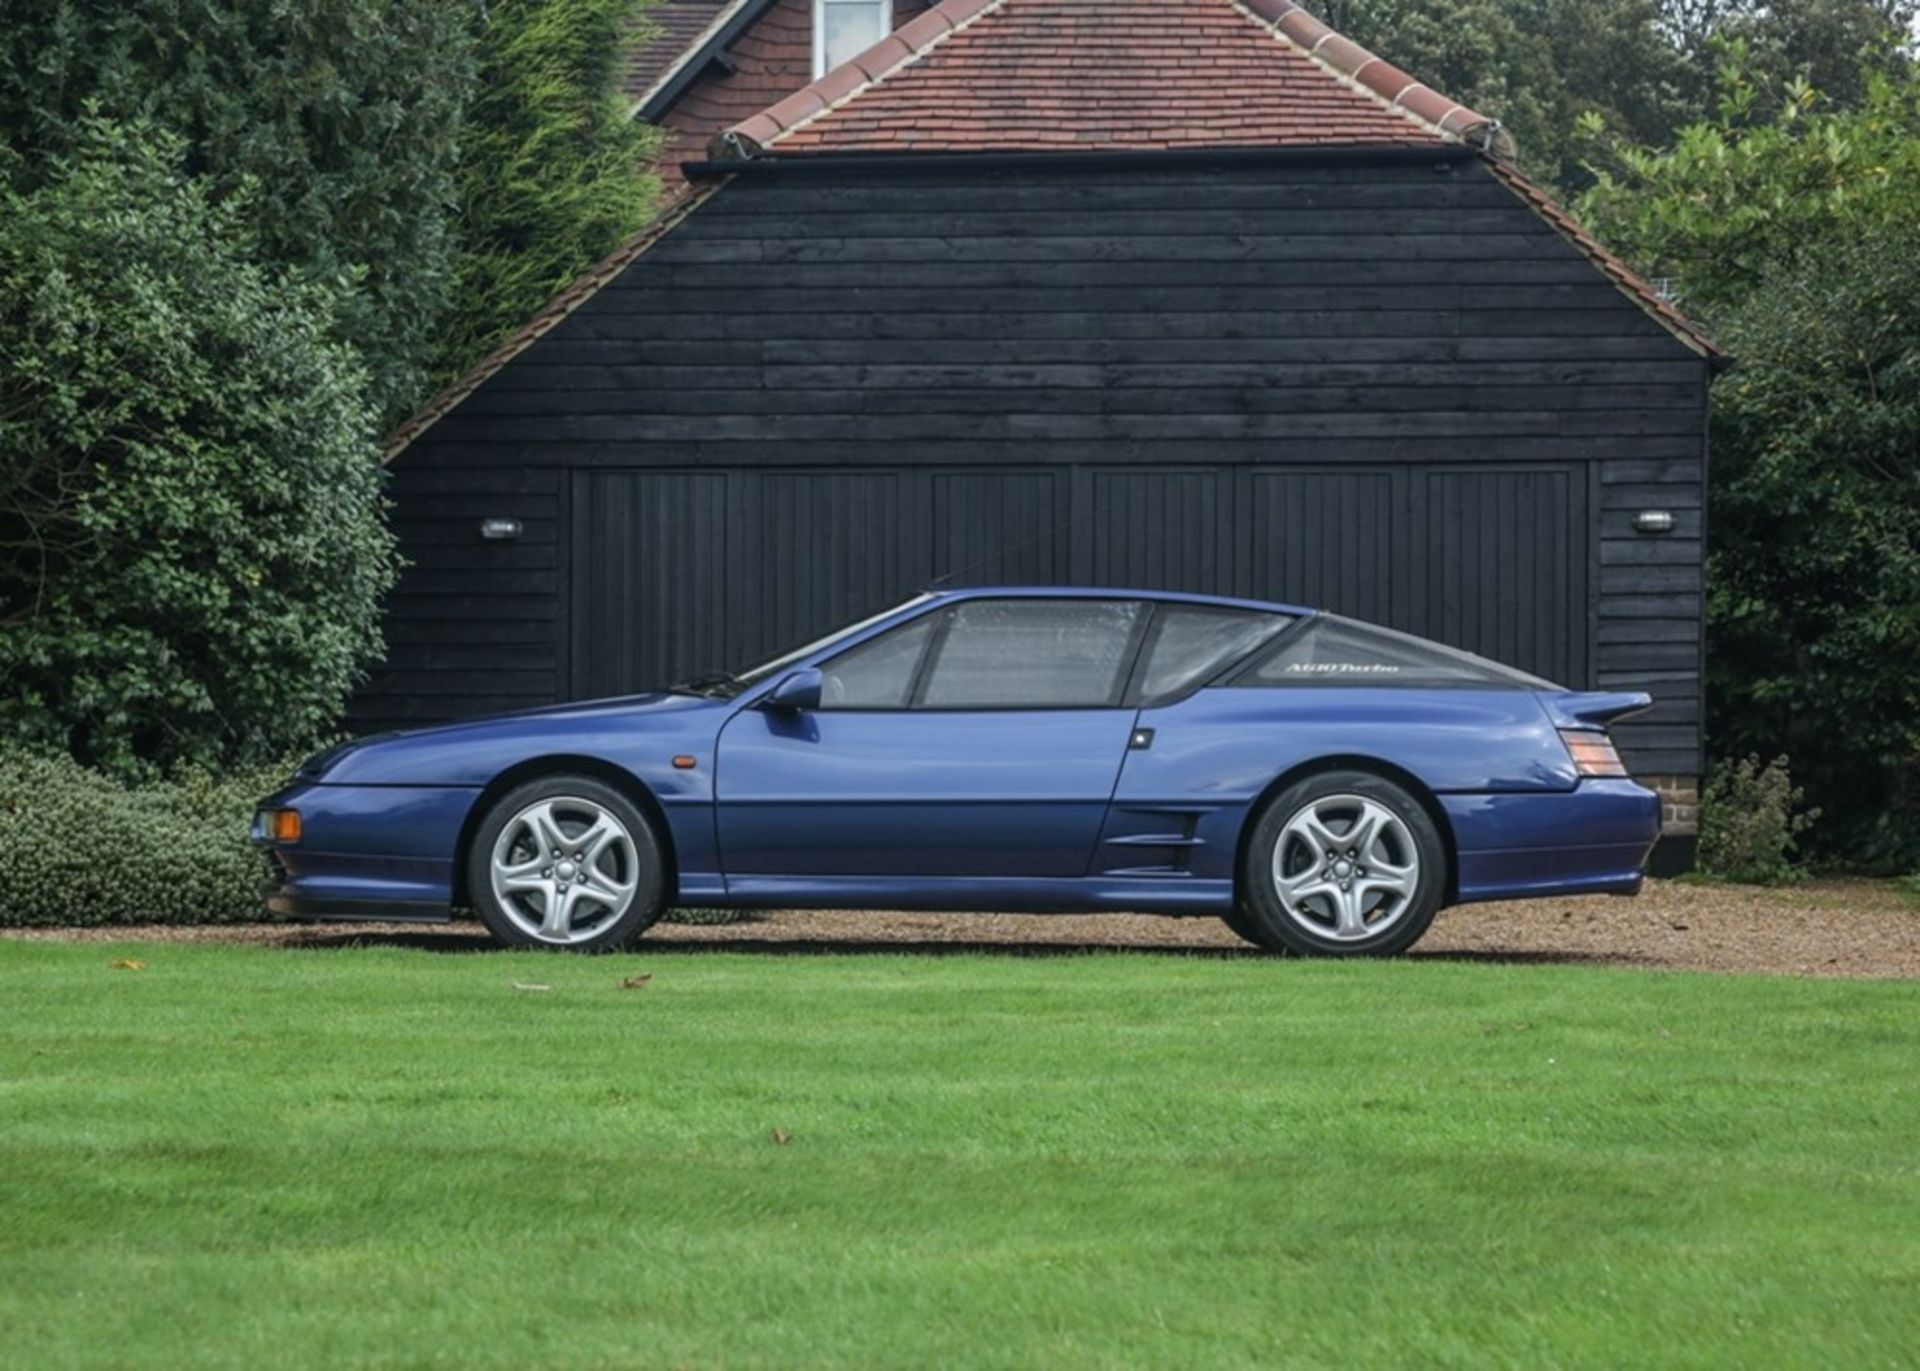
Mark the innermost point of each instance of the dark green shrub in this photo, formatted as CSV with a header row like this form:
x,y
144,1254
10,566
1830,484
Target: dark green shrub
x,y
79,848
1749,818
341,119
192,550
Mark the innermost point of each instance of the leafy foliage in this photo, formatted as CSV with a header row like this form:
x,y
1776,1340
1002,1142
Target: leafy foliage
x,y
1794,229
1535,65
191,546
1749,818
212,304
341,118
552,168
80,848
1630,69
1834,45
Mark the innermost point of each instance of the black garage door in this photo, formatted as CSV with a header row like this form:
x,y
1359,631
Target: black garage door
x,y
674,572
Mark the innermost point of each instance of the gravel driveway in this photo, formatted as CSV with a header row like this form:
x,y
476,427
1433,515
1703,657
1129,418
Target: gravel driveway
x,y
1822,928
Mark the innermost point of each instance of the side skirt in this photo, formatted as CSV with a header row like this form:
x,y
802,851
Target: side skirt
x,y
985,895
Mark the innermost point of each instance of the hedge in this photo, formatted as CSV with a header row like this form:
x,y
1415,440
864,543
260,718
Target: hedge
x,y
78,848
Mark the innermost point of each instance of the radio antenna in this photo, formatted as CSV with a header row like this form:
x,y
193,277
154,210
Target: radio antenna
x,y
946,578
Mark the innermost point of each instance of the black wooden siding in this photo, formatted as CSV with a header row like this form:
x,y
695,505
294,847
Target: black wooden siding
x,y
1390,390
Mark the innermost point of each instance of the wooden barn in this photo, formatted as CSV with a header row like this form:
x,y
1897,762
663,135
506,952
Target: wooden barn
x,y
1193,294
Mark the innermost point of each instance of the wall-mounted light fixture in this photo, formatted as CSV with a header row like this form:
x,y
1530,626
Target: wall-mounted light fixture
x,y
501,530
1653,521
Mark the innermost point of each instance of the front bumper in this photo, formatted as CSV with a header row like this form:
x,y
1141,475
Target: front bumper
x,y
1591,840
366,852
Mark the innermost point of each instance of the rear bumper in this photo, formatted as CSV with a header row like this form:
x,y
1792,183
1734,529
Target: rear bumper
x,y
1591,840
366,852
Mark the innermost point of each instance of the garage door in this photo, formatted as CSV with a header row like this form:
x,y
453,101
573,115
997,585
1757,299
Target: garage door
x,y
675,572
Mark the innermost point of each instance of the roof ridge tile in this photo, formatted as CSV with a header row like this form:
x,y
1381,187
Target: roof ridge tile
x,y
1624,278
1401,91
910,41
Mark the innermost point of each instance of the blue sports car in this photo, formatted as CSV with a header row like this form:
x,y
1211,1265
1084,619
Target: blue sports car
x,y
1324,786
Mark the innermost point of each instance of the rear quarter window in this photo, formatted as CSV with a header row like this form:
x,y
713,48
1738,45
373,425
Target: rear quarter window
x,y
1332,651
1194,643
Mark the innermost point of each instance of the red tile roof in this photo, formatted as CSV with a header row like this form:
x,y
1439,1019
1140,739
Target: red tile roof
x,y
672,27
694,96
1041,75
771,60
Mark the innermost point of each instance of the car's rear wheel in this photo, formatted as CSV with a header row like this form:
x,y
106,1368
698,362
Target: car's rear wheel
x,y
1342,864
567,863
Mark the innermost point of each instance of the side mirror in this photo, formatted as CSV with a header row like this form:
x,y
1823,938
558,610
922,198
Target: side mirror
x,y
800,690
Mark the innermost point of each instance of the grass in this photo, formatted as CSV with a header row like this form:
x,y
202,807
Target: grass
x,y
235,1157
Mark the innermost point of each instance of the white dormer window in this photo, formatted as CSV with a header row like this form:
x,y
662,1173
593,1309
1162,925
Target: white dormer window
x,y
847,28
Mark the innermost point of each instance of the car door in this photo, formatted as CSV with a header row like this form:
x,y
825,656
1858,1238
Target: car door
x,y
982,739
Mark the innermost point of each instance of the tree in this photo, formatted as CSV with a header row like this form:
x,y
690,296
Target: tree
x,y
191,543
1638,69
553,169
1833,45
342,117
1793,228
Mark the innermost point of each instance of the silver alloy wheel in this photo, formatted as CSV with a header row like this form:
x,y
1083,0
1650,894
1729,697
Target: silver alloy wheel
x,y
1345,867
564,869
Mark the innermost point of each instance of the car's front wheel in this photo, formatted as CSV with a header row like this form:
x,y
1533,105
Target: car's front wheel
x,y
565,862
1345,863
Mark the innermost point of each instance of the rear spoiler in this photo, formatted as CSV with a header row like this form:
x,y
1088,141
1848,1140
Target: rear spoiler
x,y
1593,709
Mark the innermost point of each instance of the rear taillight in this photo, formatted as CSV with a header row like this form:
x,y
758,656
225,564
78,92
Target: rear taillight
x,y
1592,752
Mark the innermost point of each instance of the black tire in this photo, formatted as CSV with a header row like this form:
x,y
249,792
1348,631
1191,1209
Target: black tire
x,y
574,797
1311,928
1242,923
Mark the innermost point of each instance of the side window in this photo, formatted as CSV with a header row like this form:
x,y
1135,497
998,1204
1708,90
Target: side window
x,y
1336,651
1191,643
1010,654
879,673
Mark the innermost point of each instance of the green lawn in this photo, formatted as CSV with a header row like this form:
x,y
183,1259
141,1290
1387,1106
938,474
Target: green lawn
x,y
246,1157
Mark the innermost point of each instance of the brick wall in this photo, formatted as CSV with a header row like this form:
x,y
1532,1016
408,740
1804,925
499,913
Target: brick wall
x,y
1679,803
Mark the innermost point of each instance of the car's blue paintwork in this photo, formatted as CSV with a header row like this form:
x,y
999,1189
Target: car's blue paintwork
x,y
990,809
995,793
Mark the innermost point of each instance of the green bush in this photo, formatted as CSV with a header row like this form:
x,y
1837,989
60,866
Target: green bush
x,y
341,120
1749,818
192,549
78,848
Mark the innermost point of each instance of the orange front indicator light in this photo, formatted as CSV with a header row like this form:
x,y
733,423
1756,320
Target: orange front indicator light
x,y
283,825
1592,752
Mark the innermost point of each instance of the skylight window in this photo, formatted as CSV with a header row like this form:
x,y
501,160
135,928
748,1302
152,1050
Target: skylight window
x,y
846,28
